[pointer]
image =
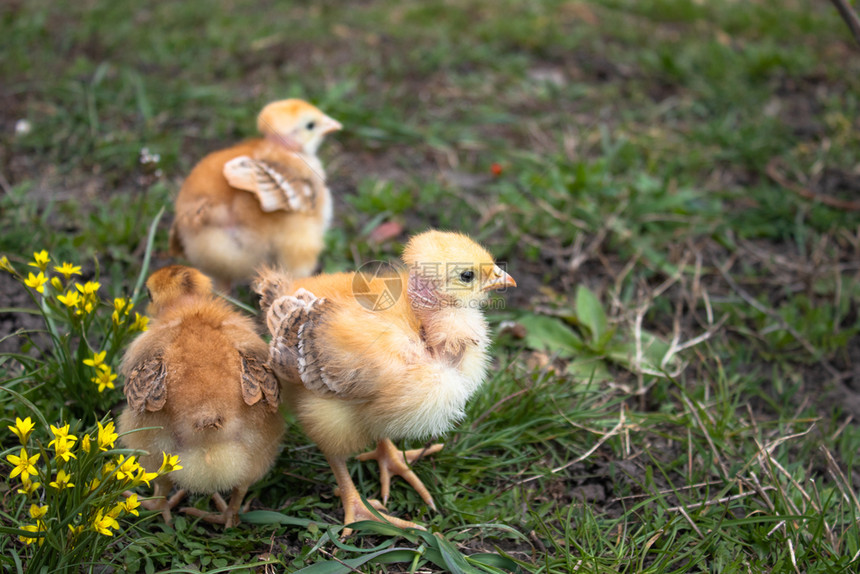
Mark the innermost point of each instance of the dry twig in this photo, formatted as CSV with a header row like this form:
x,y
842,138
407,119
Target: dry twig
x,y
772,170
849,16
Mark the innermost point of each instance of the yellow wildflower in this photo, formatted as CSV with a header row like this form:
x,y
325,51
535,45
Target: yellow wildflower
x,y
38,512
63,446
61,432
38,527
74,532
88,288
40,260
102,523
85,444
23,464
22,429
121,307
93,484
85,306
89,297
126,467
36,282
131,504
98,359
5,265
107,436
141,323
62,481
67,270
70,299
108,468
170,462
28,487
56,284
104,378
143,476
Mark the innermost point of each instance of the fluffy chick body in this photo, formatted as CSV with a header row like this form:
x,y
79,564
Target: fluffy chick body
x,y
360,372
400,388
199,374
263,201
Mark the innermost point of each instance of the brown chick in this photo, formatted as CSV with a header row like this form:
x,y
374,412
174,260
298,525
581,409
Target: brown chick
x,y
200,374
263,201
373,358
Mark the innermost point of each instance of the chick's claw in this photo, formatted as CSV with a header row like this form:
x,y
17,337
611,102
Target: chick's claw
x,y
393,461
229,513
226,518
354,510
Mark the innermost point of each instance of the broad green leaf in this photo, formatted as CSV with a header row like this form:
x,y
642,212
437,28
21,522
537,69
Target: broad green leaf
x,y
589,369
271,517
493,560
590,313
349,565
550,334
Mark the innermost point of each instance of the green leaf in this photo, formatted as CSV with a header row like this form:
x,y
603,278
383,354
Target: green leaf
x,y
589,369
454,560
653,351
550,334
590,313
272,517
493,560
384,556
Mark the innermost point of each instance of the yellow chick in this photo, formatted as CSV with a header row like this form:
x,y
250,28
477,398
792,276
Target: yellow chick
x,y
200,374
369,358
263,201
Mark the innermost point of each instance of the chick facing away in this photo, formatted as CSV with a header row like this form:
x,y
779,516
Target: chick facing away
x,y
200,374
358,374
262,201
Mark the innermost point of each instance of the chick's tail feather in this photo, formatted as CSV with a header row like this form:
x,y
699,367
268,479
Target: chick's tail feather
x,y
269,285
207,417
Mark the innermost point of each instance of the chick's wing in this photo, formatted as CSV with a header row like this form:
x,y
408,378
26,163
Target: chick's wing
x,y
277,186
258,381
332,347
146,384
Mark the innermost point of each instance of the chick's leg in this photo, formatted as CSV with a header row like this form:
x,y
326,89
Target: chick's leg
x,y
353,508
393,461
229,515
160,500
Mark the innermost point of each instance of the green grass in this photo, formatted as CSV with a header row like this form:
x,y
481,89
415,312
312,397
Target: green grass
x,y
634,208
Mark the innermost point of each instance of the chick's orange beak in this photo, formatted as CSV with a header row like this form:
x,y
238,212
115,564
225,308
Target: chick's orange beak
x,y
498,280
330,125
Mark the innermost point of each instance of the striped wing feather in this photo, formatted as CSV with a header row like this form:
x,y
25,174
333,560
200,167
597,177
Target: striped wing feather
x,y
270,182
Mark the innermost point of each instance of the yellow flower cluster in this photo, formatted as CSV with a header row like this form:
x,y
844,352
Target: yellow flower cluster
x,y
104,374
38,514
125,470
82,299
121,307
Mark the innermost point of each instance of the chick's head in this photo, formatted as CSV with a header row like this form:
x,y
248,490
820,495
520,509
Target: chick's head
x,y
451,269
296,123
174,284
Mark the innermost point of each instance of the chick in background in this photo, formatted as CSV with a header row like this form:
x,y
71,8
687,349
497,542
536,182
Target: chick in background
x,y
262,201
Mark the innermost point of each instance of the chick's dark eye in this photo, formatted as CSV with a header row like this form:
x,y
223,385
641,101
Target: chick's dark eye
x,y
467,276
311,125
148,294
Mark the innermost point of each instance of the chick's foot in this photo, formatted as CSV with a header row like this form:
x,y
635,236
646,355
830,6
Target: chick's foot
x,y
229,513
393,461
